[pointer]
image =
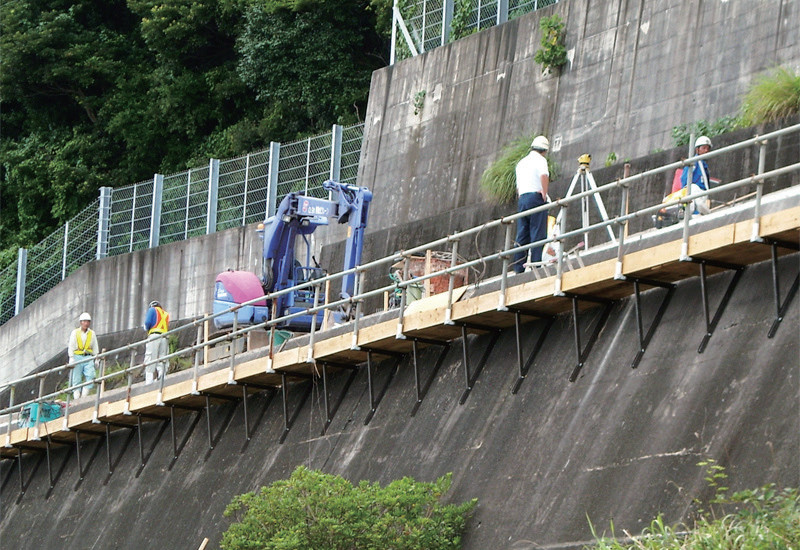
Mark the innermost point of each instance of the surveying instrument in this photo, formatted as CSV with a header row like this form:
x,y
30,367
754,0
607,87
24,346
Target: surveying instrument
x,y
584,177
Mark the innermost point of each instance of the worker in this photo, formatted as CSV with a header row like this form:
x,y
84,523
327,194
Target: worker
x,y
156,323
81,348
700,177
533,178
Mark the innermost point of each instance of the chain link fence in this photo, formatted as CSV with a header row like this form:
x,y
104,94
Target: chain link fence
x,y
425,20
224,194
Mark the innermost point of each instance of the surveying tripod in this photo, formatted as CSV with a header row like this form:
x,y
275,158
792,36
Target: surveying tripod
x,y
584,177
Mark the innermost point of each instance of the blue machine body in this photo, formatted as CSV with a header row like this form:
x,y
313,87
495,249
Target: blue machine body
x,y
298,216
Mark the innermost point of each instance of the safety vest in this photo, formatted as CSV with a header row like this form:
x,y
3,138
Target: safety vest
x,y
162,322
84,348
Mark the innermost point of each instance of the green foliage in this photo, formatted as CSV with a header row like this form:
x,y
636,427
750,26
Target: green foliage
x,y
552,54
773,95
763,518
499,181
611,158
306,63
460,27
682,132
419,101
313,510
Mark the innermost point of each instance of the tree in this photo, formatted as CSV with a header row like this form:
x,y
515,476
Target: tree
x,y
313,510
309,62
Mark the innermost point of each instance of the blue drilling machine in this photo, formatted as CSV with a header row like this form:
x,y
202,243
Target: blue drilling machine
x,y
298,216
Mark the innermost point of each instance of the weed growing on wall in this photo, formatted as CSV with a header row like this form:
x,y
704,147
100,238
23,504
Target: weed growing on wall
x,y
682,132
552,54
773,95
499,181
766,517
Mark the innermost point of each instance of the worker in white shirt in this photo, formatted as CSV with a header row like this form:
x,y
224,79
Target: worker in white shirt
x,y
533,178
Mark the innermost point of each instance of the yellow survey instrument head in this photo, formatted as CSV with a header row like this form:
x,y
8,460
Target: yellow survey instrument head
x,y
585,159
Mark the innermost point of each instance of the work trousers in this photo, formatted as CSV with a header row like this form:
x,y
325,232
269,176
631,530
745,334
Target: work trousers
x,y
156,347
83,371
530,229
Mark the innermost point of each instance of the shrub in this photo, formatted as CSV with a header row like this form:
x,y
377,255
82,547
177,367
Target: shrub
x,y
313,510
773,95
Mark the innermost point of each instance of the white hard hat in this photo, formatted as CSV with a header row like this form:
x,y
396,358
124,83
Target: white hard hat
x,y
85,317
540,143
702,140
154,303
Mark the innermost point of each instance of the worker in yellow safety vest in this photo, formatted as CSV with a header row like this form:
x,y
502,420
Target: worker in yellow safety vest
x,y
156,323
81,348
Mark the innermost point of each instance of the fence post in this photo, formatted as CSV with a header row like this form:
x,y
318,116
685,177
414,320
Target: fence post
x,y
502,11
272,178
22,267
104,218
336,153
447,20
244,195
213,188
155,213
64,253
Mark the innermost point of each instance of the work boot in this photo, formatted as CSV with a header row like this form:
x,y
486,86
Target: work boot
x,y
84,391
148,378
160,372
76,394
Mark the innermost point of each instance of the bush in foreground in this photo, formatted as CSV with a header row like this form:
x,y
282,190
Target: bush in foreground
x,y
313,510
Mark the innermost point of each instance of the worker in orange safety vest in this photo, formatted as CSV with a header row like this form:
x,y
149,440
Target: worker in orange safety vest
x,y
156,323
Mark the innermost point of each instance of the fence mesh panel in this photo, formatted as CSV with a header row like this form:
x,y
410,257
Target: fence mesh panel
x,y
184,205
352,138
82,238
304,166
131,209
45,263
8,292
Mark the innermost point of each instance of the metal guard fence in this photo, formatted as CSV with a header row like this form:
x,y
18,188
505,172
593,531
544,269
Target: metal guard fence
x,y
360,295
422,25
226,193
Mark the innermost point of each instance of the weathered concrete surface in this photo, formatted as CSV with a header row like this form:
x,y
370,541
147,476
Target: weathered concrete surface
x,y
637,69
617,444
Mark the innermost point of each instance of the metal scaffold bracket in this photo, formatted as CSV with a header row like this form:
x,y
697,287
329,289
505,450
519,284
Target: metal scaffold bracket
x,y
524,367
330,412
781,307
582,353
288,421
711,323
644,338
374,400
471,378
